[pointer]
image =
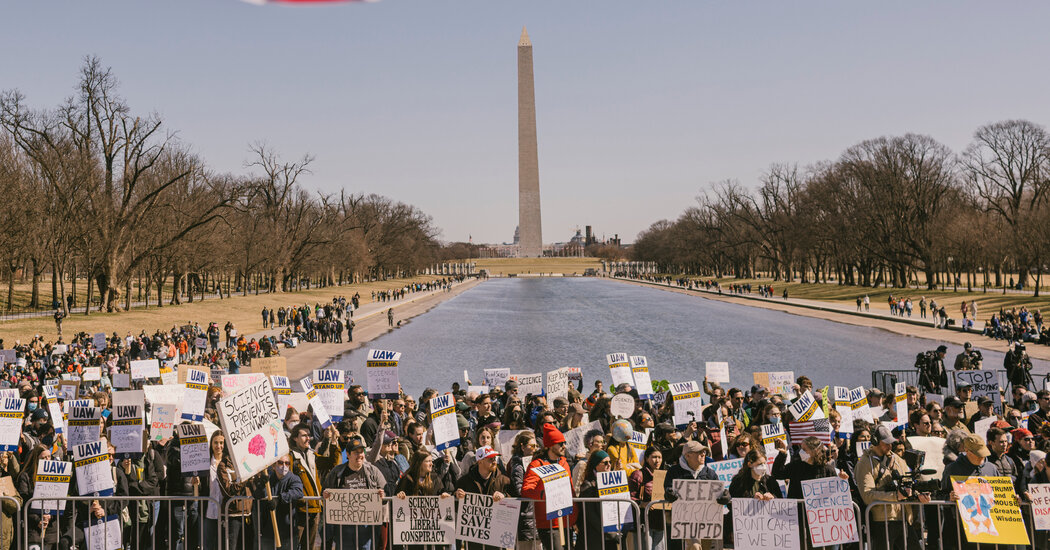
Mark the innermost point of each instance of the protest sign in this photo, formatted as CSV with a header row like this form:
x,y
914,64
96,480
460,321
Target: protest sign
x,y
126,430
985,383
829,511
805,408
170,378
104,534
496,378
900,402
92,464
726,469
423,520
478,389
1040,493
162,420
77,403
616,516
574,444
619,369
557,489
330,385
443,421
696,514
200,343
156,393
640,370
270,366
781,382
842,405
354,507
687,403
934,449
770,434
12,412
980,428
717,371
765,524
193,449
233,383
145,368
529,384
254,430
621,405
9,355
282,390
51,481
54,409
557,385
637,443
505,444
68,389
99,340
315,402
91,374
121,380
9,392
988,509
130,397
195,395
482,520
575,373
83,425
858,401
381,366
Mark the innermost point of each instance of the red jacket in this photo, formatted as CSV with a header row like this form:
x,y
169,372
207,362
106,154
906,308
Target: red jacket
x,y
532,487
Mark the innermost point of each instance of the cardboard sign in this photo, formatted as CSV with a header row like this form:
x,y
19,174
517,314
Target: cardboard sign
x,y
574,438
354,507
126,430
621,405
557,385
696,514
146,368
805,408
1040,493
83,425
642,382
985,383
483,521
845,409
687,403
859,403
765,524
988,509
557,489
529,384
92,464
496,378
11,416
195,395
270,366
443,421
717,371
829,511
619,369
282,390
726,469
616,516
51,481
104,534
68,389
381,367
330,385
193,449
315,402
424,520
253,428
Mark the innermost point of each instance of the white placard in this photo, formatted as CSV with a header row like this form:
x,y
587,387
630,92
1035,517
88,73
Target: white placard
x,y
162,421
805,408
900,402
145,368
193,449
621,405
781,382
92,464
423,520
200,343
52,481
83,425
765,524
496,378
1040,493
282,390
529,384
616,516
640,370
443,421
842,405
482,520
330,385
619,369
9,355
54,410
156,393
859,403
557,385
315,403
354,507
637,443
99,340
696,514
126,429
195,395
557,489
718,371
121,380
381,366
104,534
253,428
12,412
829,511
233,383
770,434
91,374
170,377
574,438
687,403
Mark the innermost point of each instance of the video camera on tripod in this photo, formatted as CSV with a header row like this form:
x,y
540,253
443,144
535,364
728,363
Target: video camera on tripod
x,y
910,484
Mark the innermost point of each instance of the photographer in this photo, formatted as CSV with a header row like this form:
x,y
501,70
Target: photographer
x,y
969,359
1018,367
932,374
878,473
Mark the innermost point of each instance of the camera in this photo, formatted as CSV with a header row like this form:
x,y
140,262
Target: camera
x,y
910,483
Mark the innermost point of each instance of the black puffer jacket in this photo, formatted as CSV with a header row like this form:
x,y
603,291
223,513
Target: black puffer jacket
x,y
527,518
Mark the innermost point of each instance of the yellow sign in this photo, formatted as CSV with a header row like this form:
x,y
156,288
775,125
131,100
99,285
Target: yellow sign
x,y
988,510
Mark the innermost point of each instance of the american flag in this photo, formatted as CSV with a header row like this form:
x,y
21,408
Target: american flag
x,y
819,428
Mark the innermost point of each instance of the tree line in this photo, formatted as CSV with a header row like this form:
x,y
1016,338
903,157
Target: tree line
x,y
102,193
891,210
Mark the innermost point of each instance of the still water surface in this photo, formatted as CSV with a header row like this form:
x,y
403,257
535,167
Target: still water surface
x,y
536,325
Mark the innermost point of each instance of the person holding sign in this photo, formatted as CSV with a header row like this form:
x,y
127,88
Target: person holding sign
x,y
420,481
534,488
593,533
355,473
812,463
284,490
41,529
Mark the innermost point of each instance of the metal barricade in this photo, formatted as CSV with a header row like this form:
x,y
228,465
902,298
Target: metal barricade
x,y
912,525
174,522
886,379
11,508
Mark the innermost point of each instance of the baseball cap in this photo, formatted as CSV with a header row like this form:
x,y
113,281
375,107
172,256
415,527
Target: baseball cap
x,y
39,413
884,435
510,385
695,447
974,444
758,388
953,402
984,400
485,452
389,437
355,443
967,345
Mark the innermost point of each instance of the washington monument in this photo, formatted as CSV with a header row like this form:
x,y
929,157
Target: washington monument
x,y
530,239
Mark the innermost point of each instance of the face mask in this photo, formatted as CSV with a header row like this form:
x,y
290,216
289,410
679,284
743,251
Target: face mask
x,y
32,406
761,469
803,454
774,420
281,471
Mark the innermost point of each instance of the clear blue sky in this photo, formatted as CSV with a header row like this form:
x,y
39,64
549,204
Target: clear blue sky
x,y
641,105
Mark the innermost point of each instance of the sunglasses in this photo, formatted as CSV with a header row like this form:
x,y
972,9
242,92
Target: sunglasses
x,y
284,463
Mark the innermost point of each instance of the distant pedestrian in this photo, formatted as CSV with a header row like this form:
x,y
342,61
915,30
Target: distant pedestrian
x,y
867,303
390,317
350,331
860,302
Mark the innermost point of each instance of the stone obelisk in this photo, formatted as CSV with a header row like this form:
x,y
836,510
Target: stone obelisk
x,y
530,240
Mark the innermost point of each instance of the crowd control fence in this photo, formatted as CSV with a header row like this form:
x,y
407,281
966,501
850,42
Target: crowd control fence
x,y
937,526
885,380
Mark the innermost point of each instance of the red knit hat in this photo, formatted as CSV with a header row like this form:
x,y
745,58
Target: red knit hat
x,y
1019,433
552,436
